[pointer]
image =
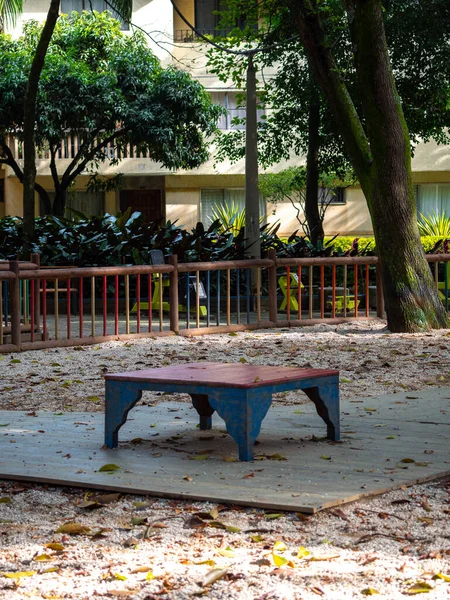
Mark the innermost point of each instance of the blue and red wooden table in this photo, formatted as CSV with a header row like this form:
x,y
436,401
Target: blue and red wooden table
x,y
241,394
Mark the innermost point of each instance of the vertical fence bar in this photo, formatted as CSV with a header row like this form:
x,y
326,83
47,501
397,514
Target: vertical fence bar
x,y
288,293
299,293
56,311
356,290
161,309
436,274
311,292
15,303
218,299
150,301
248,286
67,306
322,291
197,299
446,277
138,303
116,305
1,313
345,290
80,306
173,295
208,298
44,310
238,296
188,301
367,291
258,294
93,306
229,296
273,304
36,259
333,291
5,297
24,301
127,304
32,295
104,306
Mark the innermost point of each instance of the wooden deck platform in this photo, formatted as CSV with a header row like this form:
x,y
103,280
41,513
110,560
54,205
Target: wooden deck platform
x,y
162,453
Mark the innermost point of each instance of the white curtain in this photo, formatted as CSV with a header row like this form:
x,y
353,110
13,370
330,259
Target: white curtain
x,y
433,198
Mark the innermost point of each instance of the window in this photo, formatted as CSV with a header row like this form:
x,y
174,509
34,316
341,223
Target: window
x,y
67,6
207,20
87,203
335,196
225,197
229,101
433,197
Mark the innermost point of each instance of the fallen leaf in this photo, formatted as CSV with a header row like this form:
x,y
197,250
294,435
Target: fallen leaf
x,y
325,457
256,538
281,546
273,515
5,500
119,577
441,576
369,591
199,457
19,574
43,557
227,552
109,468
303,552
54,546
421,587
407,460
278,560
214,575
208,561
73,529
187,478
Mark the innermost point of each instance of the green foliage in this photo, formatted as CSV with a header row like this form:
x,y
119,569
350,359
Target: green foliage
x,y
127,239
110,90
230,216
434,224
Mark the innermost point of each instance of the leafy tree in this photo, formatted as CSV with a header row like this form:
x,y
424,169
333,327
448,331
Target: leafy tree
x,y
365,103
109,90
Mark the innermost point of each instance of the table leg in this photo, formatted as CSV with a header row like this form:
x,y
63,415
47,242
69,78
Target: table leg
x,y
243,412
326,400
204,409
119,400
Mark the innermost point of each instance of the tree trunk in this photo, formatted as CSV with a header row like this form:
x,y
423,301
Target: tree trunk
x,y
312,214
29,162
59,203
380,156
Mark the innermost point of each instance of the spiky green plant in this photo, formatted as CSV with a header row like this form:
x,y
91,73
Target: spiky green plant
x,y
436,224
230,216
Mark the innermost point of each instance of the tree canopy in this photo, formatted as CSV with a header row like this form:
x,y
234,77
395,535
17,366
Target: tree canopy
x,y
109,90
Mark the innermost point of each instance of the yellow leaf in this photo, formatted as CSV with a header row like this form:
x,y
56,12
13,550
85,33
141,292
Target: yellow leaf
x,y
108,468
120,577
5,500
303,552
243,360
325,457
407,460
229,459
43,557
19,574
279,560
50,570
149,576
208,561
441,576
421,587
227,552
199,457
273,515
54,546
281,546
369,591
73,529
256,538
213,576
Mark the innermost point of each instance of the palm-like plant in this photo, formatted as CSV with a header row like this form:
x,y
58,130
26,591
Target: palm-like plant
x,y
9,11
231,217
434,224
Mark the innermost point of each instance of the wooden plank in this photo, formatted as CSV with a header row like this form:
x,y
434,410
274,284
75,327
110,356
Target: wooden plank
x,y
222,374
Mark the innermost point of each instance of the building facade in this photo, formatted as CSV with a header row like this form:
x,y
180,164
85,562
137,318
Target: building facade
x,y
189,196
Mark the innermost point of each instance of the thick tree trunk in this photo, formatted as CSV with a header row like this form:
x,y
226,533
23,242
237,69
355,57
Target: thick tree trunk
x,y
380,156
29,162
59,203
312,214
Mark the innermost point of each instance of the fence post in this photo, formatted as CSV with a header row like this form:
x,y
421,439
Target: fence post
x,y
36,259
380,293
173,294
15,304
273,287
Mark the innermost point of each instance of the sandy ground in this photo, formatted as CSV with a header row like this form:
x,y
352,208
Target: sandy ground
x,y
126,546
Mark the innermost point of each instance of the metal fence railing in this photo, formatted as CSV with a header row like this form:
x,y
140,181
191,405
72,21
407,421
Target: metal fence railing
x,y
66,305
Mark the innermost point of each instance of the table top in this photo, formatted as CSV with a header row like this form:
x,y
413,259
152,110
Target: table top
x,y
222,374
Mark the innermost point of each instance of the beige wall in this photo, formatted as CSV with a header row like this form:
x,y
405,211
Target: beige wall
x,y
182,205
